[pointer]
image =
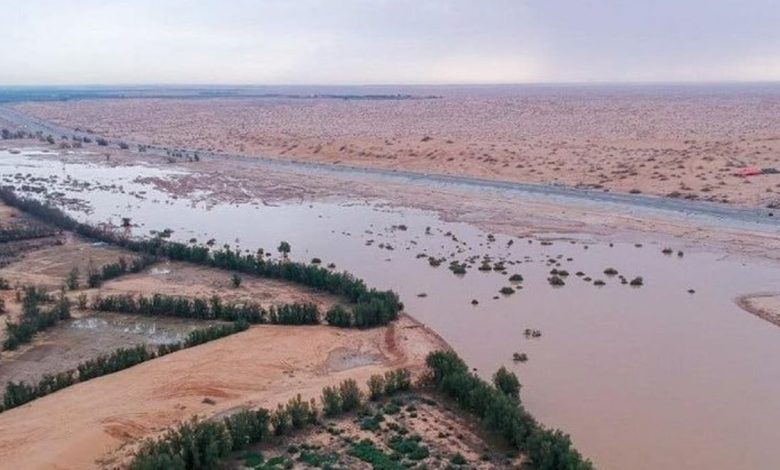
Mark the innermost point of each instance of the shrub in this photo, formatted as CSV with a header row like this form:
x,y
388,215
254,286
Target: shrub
x,y
299,412
397,381
331,401
73,279
248,427
376,387
280,420
350,395
338,316
555,281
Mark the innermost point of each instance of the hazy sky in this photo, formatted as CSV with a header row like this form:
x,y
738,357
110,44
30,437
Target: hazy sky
x,y
384,41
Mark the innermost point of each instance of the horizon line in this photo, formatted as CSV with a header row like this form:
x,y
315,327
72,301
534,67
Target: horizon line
x,y
400,84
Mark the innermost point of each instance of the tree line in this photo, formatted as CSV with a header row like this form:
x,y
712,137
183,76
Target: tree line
x,y
208,309
96,277
19,393
203,444
373,307
501,412
18,232
34,317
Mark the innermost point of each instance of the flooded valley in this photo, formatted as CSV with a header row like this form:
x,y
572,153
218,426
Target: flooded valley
x,y
666,373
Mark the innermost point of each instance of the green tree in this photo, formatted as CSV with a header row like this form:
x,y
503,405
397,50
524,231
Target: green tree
x,y
507,383
284,248
236,281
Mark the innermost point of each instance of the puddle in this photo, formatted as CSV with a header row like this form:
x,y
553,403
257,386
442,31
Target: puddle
x,y
74,341
642,377
344,359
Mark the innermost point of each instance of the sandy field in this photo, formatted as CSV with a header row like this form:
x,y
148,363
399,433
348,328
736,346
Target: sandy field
x,y
671,142
49,266
188,280
263,366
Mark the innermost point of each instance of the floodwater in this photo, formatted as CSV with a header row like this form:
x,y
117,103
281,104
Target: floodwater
x,y
642,377
74,341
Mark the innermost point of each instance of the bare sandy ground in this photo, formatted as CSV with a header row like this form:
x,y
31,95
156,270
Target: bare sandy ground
x,y
680,143
176,278
49,267
100,419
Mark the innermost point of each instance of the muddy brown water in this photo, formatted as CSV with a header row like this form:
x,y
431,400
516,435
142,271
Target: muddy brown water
x,y
642,378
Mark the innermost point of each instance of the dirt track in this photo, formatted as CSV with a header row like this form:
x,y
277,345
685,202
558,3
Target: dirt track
x,y
93,423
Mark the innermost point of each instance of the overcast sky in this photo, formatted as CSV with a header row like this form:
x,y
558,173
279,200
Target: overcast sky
x,y
387,41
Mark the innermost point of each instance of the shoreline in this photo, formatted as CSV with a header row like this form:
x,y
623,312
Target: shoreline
x,y
744,302
732,212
